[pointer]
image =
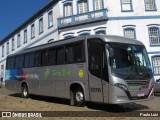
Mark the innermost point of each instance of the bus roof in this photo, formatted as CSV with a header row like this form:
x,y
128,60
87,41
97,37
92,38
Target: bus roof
x,y
105,38
119,39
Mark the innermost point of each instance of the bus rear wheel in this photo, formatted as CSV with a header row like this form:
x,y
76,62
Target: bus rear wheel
x,y
25,93
79,99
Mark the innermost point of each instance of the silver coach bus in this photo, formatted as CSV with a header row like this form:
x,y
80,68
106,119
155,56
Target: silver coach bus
x,y
104,69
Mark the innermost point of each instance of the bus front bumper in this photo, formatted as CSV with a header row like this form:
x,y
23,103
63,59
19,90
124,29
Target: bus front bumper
x,y
119,96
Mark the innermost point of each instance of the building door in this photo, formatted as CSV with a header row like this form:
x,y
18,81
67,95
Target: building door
x,y
98,71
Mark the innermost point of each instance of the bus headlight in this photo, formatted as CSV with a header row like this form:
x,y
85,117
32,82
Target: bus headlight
x,y
123,87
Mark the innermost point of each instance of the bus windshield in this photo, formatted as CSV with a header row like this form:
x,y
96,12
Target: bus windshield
x,y
130,61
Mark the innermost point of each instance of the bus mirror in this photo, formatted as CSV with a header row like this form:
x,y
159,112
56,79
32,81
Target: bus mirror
x,y
111,53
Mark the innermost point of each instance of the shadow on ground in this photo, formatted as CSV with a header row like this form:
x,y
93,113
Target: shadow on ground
x,y
45,98
128,107
122,108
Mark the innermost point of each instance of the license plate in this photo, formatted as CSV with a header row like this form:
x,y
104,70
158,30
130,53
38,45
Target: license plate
x,y
133,87
141,94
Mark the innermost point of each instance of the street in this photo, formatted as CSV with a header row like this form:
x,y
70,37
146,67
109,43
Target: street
x,y
12,101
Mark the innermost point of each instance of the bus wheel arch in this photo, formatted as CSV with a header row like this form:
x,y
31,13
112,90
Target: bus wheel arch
x,y
77,96
24,90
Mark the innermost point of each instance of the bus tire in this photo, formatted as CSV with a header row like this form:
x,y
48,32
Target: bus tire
x,y
79,99
25,93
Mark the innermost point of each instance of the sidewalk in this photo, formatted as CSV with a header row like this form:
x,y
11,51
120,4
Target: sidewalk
x,y
2,84
4,91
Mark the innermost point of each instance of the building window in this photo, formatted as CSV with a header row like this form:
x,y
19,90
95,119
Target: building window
x,y
82,6
18,41
129,33
84,34
50,19
7,50
13,46
3,51
98,4
25,35
154,36
156,65
126,5
102,32
40,25
68,9
69,36
32,31
150,5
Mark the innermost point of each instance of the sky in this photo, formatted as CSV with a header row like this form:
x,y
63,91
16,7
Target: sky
x,y
14,12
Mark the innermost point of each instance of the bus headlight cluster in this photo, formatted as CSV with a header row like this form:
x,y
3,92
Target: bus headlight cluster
x,y
121,86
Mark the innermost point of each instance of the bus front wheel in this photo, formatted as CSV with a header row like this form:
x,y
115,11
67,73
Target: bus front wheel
x,y
79,98
25,93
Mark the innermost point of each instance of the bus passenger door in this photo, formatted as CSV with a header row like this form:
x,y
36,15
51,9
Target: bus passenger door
x,y
97,71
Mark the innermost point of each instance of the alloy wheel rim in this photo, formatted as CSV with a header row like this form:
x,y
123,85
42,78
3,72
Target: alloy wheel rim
x,y
79,96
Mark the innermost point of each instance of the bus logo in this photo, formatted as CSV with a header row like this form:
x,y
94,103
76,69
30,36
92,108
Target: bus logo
x,y
81,73
46,73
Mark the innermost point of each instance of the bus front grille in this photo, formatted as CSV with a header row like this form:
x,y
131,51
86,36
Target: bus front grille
x,y
137,82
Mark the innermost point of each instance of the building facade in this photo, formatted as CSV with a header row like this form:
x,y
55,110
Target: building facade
x,y
137,19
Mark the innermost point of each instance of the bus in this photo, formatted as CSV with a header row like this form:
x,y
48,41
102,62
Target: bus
x,y
95,68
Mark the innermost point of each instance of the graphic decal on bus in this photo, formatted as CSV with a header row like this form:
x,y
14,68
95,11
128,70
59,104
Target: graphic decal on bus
x,y
59,73
16,74
81,73
46,73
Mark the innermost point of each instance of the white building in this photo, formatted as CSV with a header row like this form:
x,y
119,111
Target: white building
x,y
137,19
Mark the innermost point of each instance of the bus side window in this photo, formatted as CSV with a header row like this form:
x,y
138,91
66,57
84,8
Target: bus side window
x,y
8,63
79,52
95,57
44,57
26,60
70,53
52,56
60,55
17,61
31,59
12,62
21,61
105,66
38,58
